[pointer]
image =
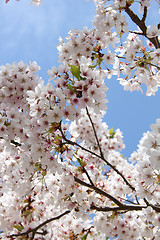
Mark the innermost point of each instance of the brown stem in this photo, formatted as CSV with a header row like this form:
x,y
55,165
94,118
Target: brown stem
x,y
144,14
101,157
89,178
95,134
98,190
141,24
155,207
151,64
120,208
34,230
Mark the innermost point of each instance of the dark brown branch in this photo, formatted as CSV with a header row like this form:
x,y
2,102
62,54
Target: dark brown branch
x,y
120,208
95,134
144,14
16,143
141,25
98,190
151,64
101,157
138,33
155,207
83,230
34,230
89,178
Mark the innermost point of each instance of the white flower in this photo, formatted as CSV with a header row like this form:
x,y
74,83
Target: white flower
x,y
152,31
36,2
109,57
55,115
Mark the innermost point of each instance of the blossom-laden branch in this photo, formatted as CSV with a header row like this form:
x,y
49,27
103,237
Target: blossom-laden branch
x,y
33,138
95,154
102,155
89,178
124,207
141,24
95,134
98,190
32,232
121,206
34,2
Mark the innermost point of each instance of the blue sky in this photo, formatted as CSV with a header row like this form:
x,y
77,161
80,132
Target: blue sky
x,y
31,34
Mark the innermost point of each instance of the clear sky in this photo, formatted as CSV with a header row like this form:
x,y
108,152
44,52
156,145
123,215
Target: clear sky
x,y
31,34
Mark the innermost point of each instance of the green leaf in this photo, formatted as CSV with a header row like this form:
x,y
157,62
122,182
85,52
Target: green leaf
x,y
7,123
75,71
18,227
69,86
44,173
79,161
93,66
111,133
84,236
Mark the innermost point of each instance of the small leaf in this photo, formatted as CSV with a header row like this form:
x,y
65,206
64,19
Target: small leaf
x,y
69,86
75,71
79,161
93,66
84,236
18,227
111,133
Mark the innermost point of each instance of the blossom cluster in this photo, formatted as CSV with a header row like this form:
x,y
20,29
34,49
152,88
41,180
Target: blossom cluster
x,y
36,3
62,174
140,64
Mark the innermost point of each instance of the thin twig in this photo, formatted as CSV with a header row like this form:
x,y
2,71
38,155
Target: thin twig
x,y
102,155
136,60
98,156
89,178
138,33
34,230
144,14
98,190
95,134
120,208
156,208
141,25
127,200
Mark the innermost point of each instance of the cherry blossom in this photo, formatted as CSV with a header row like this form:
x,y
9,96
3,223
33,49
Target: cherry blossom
x,y
62,172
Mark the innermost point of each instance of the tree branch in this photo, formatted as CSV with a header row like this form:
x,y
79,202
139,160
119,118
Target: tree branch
x,y
144,14
98,190
141,24
89,178
120,208
136,60
34,230
95,134
155,207
101,157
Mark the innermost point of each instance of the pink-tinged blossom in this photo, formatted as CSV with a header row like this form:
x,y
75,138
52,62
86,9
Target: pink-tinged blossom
x,y
44,161
36,3
152,31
